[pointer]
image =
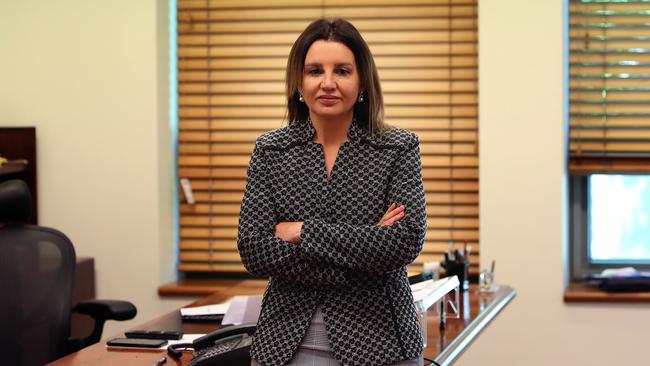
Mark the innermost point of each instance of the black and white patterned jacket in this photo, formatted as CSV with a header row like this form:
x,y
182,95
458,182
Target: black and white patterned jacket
x,y
345,263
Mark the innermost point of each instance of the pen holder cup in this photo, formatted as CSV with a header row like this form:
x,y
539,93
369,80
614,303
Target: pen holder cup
x,y
460,269
486,281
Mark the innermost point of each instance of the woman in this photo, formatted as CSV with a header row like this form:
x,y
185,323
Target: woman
x,y
324,215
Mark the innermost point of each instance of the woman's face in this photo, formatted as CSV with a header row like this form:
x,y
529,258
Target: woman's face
x,y
330,82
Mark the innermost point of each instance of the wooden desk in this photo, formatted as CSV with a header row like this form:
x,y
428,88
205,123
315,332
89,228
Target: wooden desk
x,y
476,310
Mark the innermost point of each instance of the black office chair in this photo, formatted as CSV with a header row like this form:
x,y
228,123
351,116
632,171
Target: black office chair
x,y
37,267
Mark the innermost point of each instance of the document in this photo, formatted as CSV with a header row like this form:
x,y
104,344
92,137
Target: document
x,y
212,309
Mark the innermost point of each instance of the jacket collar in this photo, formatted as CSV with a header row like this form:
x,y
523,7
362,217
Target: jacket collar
x,y
305,130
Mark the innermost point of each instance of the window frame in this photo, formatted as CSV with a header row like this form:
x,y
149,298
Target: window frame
x,y
580,265
599,37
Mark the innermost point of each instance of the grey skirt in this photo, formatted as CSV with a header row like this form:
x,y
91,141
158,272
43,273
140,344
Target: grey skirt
x,y
315,348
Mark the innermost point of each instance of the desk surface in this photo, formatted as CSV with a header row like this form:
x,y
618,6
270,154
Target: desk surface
x,y
476,311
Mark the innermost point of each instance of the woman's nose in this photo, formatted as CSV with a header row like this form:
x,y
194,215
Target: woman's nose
x,y
328,81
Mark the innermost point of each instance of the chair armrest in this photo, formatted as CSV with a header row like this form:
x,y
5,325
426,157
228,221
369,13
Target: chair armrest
x,y
100,311
106,309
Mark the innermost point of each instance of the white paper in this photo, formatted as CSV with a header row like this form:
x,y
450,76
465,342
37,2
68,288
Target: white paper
x,y
213,309
243,309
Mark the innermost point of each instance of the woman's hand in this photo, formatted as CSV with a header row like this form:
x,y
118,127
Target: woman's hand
x,y
289,231
393,214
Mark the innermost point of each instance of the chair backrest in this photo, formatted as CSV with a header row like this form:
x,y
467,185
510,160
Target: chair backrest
x,y
36,273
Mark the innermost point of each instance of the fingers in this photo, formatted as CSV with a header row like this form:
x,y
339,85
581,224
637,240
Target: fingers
x,y
388,211
394,219
392,210
393,214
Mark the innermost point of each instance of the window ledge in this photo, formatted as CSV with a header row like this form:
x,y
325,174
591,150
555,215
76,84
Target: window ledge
x,y
581,293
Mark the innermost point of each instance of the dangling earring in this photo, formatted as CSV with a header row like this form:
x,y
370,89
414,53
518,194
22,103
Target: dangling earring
x,y
300,97
360,100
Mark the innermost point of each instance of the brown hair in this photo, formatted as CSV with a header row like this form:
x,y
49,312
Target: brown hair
x,y
369,114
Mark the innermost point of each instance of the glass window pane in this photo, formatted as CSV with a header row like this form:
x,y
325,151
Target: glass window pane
x,y
619,218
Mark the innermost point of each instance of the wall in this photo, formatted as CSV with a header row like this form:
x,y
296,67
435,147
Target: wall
x,y
523,194
92,77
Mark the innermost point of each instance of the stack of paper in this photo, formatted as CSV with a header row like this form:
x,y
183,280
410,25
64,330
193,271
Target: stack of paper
x,y
212,309
238,310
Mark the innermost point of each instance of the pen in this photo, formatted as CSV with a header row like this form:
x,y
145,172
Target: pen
x,y
492,268
160,362
465,248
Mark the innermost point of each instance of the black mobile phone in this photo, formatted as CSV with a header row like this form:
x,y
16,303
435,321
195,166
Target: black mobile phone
x,y
136,342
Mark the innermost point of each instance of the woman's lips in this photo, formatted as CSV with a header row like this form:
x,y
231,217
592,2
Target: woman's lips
x,y
328,100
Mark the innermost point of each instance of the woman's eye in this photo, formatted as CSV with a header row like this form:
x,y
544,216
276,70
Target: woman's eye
x,y
342,72
314,71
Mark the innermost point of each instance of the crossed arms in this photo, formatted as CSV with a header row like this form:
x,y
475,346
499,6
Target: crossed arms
x,y
315,252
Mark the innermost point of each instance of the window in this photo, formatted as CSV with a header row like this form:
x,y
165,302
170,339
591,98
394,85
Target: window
x,y
231,60
619,217
609,139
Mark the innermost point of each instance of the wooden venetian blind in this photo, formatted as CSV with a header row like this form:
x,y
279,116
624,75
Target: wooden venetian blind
x,y
609,86
232,57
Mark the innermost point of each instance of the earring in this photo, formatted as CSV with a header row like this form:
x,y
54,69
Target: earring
x,y
360,100
301,98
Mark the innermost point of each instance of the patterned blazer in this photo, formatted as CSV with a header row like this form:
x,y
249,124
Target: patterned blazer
x,y
345,263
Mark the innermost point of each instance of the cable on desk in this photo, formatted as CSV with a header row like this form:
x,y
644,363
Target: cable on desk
x,y
176,350
432,362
